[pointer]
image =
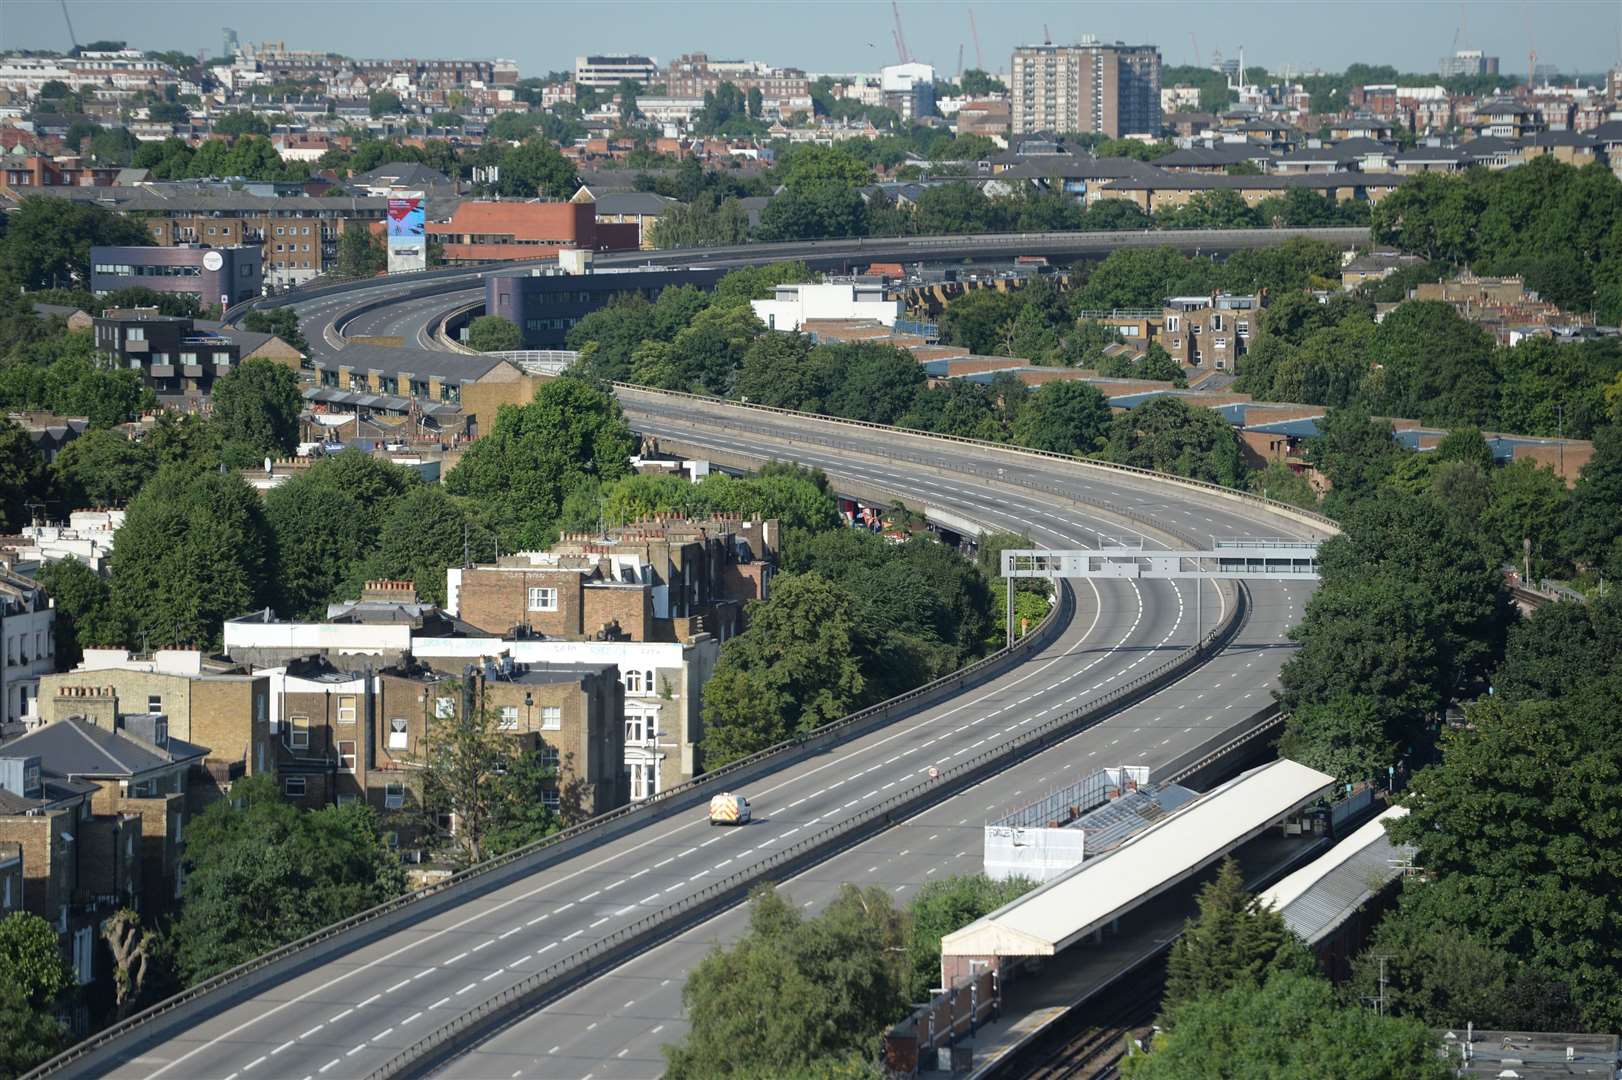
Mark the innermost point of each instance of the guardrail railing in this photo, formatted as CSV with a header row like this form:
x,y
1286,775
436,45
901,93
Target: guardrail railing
x,y
606,951
782,753
1231,494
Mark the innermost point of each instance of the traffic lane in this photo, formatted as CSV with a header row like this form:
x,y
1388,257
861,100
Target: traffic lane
x,y
807,441
311,1001
616,1026
637,1008
320,1017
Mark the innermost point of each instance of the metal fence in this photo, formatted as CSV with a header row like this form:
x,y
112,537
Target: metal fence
x,y
609,951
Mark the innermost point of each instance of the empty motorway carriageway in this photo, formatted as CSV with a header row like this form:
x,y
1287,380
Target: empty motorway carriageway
x,y
575,960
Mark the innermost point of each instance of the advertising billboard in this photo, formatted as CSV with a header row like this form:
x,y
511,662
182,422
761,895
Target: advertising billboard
x,y
408,243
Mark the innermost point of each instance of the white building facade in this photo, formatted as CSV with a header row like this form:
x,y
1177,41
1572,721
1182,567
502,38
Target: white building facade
x,y
793,305
27,634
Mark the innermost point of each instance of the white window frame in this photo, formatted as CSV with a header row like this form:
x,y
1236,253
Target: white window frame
x,y
294,787
154,704
633,682
394,795
353,757
551,718
444,708
346,713
298,737
543,598
399,733
508,719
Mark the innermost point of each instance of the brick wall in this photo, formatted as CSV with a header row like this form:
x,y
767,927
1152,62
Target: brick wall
x,y
49,869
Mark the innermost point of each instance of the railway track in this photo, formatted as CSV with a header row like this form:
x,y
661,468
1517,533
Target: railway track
x,y
1089,1043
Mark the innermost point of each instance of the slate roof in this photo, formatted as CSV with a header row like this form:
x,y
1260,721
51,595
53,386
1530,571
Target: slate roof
x,y
397,360
76,747
632,202
405,174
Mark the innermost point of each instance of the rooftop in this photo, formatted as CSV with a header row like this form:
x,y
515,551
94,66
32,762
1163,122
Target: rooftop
x,y
1051,918
75,747
1321,895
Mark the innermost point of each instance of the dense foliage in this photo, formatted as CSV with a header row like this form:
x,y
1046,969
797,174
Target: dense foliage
x,y
261,872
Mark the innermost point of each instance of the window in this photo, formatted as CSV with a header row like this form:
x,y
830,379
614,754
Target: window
x,y
346,756
444,708
543,599
1242,326
1221,342
647,680
1174,323
549,797
1194,328
154,703
509,718
346,708
298,732
633,682
633,729
1216,322
394,795
136,333
551,718
293,787
398,739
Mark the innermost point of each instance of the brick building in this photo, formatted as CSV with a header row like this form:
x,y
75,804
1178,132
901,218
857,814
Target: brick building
x,y
298,235
1107,89
1209,332
480,232
135,768
572,714
320,717
661,580
22,175
226,712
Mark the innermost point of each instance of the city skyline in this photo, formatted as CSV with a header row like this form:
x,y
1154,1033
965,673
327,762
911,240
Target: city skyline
x,y
1574,36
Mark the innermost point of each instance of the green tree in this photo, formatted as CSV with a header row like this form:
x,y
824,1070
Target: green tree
x,y
1513,828
33,978
1292,1026
1594,521
24,479
260,872
1169,435
47,241
978,320
535,454
361,253
1436,365
102,467
1233,942
1278,481
794,995
423,535
1345,735
1063,416
281,321
536,167
257,406
797,666
384,103
1355,452
240,122
1561,647
79,595
194,550
943,906
492,333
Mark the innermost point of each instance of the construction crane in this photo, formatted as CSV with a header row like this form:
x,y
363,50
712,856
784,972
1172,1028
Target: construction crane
x,y
69,20
974,32
1194,41
959,78
1047,38
900,35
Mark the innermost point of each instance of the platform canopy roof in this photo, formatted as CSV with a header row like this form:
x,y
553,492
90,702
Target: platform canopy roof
x,y
1051,918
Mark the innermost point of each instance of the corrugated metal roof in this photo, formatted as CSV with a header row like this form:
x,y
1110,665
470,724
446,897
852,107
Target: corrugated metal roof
x,y
1066,909
1321,895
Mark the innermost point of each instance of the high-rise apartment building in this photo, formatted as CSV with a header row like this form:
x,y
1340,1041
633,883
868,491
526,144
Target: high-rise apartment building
x,y
606,72
1111,90
1467,62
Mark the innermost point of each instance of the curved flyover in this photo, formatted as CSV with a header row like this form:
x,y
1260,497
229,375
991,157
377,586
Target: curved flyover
x,y
357,1011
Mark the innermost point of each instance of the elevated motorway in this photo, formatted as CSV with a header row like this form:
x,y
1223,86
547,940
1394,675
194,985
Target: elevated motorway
x,y
356,1013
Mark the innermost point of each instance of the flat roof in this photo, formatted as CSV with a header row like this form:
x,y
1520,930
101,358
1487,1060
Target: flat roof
x,y
1318,897
1051,918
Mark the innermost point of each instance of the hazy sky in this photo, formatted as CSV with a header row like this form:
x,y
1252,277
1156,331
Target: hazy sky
x,y
848,35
